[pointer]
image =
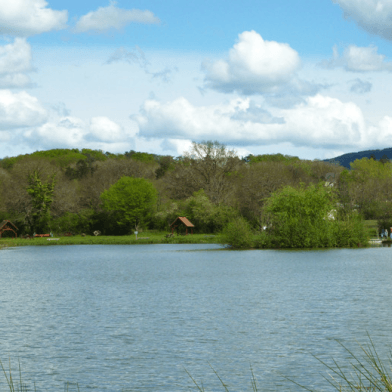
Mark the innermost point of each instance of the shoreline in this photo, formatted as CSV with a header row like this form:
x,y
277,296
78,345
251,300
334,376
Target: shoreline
x,y
148,238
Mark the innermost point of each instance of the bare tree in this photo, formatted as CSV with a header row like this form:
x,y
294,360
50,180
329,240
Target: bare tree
x,y
209,166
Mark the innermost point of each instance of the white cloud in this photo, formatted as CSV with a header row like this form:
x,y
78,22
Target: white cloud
x,y
15,62
320,121
72,132
112,17
22,18
67,132
105,130
374,16
358,59
255,66
20,110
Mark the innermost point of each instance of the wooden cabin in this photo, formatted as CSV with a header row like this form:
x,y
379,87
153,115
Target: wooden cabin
x,y
7,225
181,220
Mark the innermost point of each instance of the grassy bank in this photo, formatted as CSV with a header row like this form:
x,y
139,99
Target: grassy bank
x,y
154,237
143,238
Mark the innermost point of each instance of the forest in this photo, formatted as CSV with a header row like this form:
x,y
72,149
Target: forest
x,y
80,191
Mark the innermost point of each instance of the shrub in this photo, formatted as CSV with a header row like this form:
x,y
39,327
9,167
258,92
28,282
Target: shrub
x,y
350,231
237,234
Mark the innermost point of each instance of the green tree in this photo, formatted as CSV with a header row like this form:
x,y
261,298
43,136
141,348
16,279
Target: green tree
x,y
130,201
302,217
41,197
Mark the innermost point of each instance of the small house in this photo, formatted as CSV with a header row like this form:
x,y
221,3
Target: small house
x,y
7,225
182,221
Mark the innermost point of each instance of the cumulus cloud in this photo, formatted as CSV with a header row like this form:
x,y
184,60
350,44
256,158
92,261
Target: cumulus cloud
x,y
20,110
73,132
374,16
359,86
105,130
15,62
255,66
358,59
67,132
319,121
22,18
112,17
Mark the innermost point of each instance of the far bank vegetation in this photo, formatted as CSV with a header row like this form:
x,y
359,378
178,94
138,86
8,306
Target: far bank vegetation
x,y
265,200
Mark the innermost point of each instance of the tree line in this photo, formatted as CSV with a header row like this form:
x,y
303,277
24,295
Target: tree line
x,y
79,191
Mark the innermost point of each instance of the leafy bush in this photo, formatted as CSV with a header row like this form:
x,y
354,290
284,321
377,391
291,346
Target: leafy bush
x,y
301,217
263,241
238,234
350,231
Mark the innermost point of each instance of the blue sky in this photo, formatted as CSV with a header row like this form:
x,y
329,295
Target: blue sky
x,y
299,77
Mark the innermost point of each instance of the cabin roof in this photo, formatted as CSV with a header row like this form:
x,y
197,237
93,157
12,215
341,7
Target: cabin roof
x,y
4,223
184,220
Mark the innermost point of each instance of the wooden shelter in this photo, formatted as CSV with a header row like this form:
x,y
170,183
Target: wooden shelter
x,y
7,225
181,220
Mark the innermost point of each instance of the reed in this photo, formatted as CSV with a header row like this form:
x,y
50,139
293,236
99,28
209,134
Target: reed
x,y
363,372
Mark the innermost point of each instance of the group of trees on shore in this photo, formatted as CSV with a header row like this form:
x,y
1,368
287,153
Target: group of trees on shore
x,y
79,191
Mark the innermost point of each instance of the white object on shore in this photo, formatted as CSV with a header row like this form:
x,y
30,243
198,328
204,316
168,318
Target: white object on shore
x,y
53,239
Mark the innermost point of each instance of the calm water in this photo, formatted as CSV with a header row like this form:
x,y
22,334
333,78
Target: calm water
x,y
132,318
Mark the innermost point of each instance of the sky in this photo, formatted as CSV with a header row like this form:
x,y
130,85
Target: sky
x,y
299,77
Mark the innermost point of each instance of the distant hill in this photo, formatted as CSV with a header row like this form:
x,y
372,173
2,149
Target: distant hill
x,y
346,159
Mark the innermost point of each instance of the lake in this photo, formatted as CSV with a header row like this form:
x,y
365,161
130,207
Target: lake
x,y
133,318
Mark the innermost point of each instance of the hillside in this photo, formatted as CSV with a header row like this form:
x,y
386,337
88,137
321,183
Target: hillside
x,y
346,159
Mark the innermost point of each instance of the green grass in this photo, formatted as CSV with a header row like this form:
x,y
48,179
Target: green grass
x,y
143,238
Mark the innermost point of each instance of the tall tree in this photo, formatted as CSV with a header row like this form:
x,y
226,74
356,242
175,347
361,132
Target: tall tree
x,y
41,197
130,200
208,165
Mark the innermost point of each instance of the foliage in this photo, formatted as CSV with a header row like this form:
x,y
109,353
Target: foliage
x,y
61,157
166,215
366,187
42,197
80,222
207,217
237,234
94,155
141,156
350,231
165,163
207,165
299,217
263,241
271,158
8,162
209,184
130,200
82,169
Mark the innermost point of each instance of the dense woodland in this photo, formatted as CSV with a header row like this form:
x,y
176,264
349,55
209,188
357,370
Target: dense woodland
x,y
79,191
